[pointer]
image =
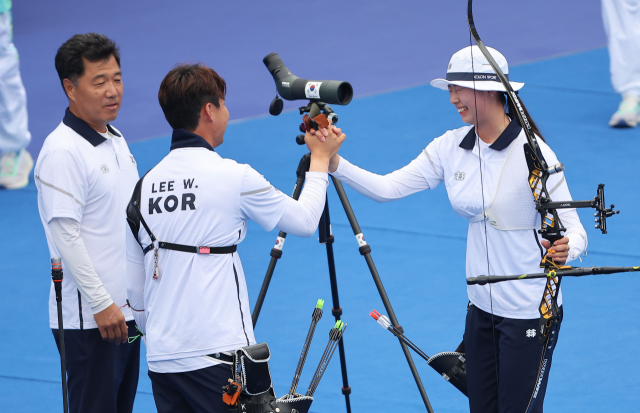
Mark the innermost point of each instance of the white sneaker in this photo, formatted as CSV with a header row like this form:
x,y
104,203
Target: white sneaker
x,y
628,114
15,168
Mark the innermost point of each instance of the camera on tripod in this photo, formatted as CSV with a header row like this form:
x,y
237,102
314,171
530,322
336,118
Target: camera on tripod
x,y
320,93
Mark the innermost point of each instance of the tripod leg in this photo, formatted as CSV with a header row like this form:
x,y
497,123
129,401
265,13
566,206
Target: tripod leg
x,y
326,237
365,250
276,252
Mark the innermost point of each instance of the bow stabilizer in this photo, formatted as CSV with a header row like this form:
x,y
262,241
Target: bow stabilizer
x,y
571,272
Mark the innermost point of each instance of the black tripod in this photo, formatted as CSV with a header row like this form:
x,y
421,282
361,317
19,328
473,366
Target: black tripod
x,y
326,237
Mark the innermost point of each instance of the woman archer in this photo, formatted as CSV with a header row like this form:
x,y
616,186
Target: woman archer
x,y
485,173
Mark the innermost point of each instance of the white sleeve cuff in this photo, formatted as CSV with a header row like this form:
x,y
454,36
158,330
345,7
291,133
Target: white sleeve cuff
x,y
318,175
343,165
577,244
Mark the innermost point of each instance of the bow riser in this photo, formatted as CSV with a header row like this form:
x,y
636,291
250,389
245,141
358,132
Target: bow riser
x,y
551,226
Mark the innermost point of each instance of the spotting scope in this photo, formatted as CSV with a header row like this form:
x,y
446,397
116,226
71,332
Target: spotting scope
x,y
292,87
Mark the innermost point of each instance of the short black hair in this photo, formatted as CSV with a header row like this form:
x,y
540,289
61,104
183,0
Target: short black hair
x,y
185,90
92,46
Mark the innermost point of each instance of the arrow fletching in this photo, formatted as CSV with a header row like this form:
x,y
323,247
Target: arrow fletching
x,y
383,320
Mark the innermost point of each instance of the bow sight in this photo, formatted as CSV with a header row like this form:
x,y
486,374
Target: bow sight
x,y
597,203
319,93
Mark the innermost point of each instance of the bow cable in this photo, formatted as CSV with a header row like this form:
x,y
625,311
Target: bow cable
x,y
486,239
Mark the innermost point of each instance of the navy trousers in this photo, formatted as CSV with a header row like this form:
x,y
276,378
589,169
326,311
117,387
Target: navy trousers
x,y
504,358
102,377
197,391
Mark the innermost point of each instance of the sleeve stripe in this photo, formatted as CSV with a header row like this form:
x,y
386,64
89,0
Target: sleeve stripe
x,y
55,188
257,191
557,185
430,161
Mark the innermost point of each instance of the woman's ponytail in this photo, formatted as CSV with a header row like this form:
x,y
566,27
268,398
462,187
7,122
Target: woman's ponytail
x,y
512,110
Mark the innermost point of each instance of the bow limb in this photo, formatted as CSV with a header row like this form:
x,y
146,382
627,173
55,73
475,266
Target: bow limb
x,y
522,117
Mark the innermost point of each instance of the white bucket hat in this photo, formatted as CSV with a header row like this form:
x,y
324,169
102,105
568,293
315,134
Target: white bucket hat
x,y
480,75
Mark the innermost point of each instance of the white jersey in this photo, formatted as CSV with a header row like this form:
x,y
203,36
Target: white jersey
x,y
513,242
198,303
81,175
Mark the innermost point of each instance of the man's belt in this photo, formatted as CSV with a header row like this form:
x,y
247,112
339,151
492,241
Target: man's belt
x,y
194,250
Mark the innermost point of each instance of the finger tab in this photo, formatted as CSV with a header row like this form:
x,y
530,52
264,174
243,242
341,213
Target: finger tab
x,y
322,121
306,119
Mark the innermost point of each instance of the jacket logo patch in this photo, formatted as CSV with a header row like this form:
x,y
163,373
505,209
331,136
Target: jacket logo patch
x,y
133,161
459,176
104,168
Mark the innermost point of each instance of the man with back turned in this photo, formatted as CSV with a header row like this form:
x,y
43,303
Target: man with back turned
x,y
187,276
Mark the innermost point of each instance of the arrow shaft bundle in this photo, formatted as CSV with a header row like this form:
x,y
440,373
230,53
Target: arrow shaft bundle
x,y
334,338
317,315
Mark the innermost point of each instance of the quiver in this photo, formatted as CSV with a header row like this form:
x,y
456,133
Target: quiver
x,y
251,366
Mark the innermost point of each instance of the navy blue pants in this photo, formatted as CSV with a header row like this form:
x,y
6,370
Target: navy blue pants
x,y
503,360
101,377
197,391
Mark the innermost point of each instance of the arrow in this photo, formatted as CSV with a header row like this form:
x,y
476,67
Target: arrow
x,y
315,317
334,337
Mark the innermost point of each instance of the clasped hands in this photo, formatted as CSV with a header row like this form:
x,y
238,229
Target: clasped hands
x,y
324,145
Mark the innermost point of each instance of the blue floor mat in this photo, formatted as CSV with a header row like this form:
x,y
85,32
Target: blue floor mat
x,y
418,247
376,45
